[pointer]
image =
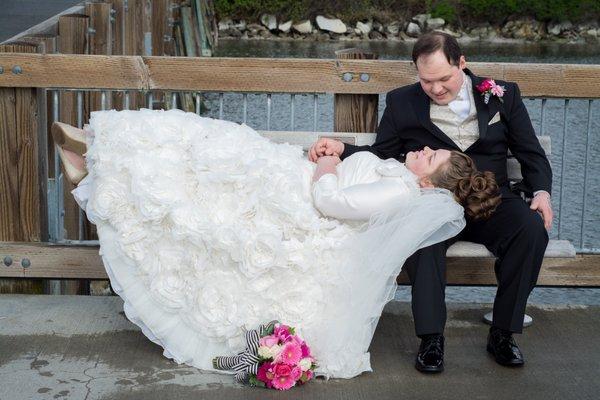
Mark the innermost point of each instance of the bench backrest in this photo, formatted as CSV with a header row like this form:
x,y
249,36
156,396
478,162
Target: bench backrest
x,y
306,139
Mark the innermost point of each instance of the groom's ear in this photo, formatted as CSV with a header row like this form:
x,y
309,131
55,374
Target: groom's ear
x,y
462,62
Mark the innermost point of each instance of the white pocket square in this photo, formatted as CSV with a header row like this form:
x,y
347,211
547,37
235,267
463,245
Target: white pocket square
x,y
495,119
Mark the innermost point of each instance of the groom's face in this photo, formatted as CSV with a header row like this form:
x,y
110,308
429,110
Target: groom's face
x,y
439,79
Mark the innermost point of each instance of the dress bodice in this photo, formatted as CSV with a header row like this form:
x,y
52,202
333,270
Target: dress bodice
x,y
364,184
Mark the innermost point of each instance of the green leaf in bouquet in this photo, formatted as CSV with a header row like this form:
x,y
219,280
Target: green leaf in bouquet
x,y
254,381
292,330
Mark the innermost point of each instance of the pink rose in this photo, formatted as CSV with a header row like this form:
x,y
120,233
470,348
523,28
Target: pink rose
x,y
296,373
282,370
284,378
306,376
282,332
305,350
268,341
485,85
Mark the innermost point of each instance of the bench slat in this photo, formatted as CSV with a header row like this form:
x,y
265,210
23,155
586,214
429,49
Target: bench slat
x,y
83,262
556,248
306,139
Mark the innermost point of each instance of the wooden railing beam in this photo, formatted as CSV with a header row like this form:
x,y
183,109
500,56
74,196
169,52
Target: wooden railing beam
x,y
273,75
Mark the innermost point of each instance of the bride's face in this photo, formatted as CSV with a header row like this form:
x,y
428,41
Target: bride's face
x,y
424,162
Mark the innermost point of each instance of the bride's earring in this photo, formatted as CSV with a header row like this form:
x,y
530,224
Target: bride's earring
x,y
425,183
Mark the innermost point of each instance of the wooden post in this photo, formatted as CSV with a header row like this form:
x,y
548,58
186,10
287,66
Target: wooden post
x,y
118,42
161,31
204,38
72,39
133,45
20,204
100,42
187,101
160,14
187,27
47,44
355,112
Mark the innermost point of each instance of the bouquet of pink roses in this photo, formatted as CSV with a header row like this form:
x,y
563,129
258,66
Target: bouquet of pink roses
x,y
275,357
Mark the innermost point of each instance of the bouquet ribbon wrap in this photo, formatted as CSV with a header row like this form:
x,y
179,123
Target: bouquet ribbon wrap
x,y
247,361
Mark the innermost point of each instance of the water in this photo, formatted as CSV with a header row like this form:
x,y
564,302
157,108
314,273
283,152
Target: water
x,y
568,220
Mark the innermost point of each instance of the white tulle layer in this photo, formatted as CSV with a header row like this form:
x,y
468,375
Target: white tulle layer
x,y
206,229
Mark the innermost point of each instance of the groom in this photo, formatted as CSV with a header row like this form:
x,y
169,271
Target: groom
x,y
445,110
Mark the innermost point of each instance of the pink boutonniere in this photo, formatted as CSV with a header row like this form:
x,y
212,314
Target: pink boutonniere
x,y
488,88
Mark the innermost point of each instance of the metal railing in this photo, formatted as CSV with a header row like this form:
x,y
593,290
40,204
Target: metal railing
x,y
539,112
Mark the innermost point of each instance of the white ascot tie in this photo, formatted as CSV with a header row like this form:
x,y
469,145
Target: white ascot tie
x,y
461,105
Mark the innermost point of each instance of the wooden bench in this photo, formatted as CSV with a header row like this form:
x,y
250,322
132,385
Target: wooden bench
x,y
556,248
467,263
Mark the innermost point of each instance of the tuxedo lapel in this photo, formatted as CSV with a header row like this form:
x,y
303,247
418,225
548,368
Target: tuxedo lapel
x,y
422,109
484,111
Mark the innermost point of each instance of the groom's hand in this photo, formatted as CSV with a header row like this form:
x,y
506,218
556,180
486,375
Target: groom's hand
x,y
325,147
541,203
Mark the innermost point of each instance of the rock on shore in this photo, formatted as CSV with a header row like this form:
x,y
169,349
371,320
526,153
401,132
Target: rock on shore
x,y
327,28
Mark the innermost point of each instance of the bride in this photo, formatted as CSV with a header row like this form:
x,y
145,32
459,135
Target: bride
x,y
207,229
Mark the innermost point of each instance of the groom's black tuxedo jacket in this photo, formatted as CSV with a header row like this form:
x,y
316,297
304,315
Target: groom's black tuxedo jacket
x,y
406,126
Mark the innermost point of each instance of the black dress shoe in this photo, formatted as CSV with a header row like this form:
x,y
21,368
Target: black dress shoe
x,y
503,347
430,358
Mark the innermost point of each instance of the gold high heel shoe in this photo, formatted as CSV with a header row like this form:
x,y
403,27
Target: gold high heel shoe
x,y
73,173
68,137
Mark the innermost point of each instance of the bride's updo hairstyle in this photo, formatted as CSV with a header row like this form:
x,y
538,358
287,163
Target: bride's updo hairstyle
x,y
476,191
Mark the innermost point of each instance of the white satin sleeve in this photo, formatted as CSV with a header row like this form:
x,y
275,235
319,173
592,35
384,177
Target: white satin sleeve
x,y
359,201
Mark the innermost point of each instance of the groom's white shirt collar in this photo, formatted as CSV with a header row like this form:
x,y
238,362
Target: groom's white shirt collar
x,y
461,105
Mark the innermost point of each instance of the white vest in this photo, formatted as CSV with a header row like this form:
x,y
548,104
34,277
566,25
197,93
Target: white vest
x,y
464,133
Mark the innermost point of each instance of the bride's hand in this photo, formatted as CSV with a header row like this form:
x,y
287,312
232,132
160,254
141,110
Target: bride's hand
x,y
325,147
329,160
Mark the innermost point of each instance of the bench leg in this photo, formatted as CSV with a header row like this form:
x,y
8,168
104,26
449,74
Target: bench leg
x,y
487,318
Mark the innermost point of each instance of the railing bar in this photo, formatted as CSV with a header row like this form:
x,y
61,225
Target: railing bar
x,y
198,103
55,118
245,112
149,100
293,110
316,103
543,111
80,125
127,100
173,99
269,111
79,242
585,170
103,97
221,105
562,167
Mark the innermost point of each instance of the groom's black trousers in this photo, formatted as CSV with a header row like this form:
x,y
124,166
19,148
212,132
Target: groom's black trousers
x,y
515,235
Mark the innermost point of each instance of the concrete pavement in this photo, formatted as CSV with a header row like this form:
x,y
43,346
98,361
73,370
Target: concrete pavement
x,y
83,347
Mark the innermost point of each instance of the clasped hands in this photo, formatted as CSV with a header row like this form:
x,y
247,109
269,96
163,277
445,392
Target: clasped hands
x,y
326,153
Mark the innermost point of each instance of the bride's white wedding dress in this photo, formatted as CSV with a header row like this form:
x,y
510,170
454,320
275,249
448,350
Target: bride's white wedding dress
x,y
206,228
